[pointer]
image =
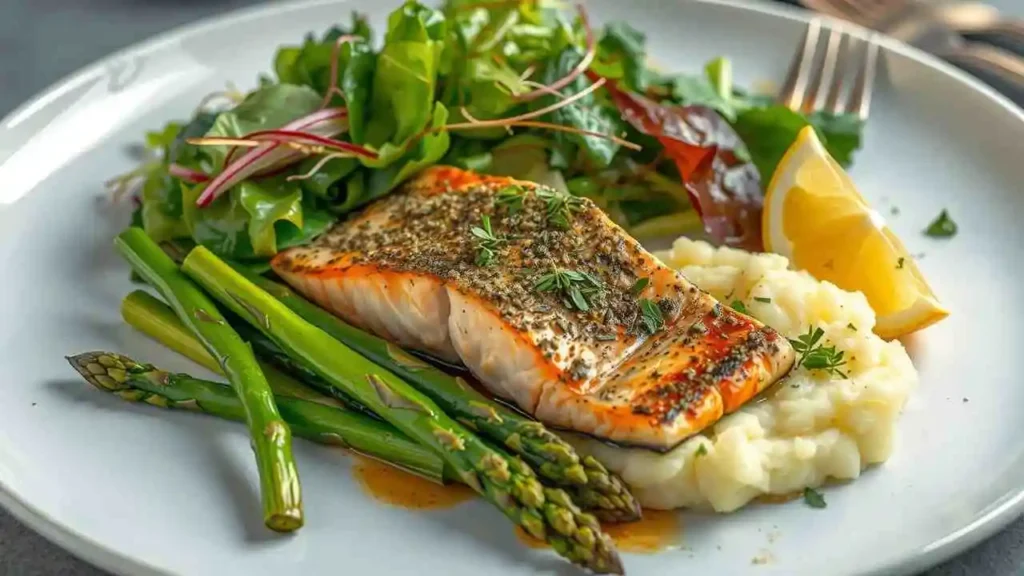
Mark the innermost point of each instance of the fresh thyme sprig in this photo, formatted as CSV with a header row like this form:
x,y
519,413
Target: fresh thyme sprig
x,y
511,197
560,207
486,241
651,318
639,286
577,289
814,355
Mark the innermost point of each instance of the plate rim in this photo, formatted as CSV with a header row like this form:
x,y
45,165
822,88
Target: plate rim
x,y
995,517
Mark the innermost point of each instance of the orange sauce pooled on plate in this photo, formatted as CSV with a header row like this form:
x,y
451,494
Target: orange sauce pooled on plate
x,y
397,488
659,530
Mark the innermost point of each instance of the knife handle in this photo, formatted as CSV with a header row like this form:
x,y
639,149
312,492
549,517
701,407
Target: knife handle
x,y
1003,70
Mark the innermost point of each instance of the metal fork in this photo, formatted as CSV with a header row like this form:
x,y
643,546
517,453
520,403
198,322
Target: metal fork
x,y
932,28
819,82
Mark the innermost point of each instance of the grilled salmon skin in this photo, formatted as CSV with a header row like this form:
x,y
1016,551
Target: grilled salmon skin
x,y
546,301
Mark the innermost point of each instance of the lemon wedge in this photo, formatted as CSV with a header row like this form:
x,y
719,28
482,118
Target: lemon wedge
x,y
814,216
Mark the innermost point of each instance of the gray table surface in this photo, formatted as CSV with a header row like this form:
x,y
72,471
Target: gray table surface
x,y
43,40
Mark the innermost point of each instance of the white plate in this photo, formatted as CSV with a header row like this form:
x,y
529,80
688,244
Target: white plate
x,y
142,491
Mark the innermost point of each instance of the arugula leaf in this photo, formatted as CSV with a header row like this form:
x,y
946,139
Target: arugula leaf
x,y
841,134
769,131
621,56
266,108
586,113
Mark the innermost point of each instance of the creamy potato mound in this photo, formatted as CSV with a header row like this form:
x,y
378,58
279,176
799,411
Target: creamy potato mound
x,y
808,428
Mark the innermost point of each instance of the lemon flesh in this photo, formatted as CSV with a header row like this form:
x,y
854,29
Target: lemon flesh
x,y
814,215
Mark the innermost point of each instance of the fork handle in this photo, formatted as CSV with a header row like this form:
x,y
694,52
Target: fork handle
x,y
1007,34
1001,69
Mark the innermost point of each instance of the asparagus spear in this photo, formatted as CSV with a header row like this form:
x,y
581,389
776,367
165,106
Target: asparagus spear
x,y
271,437
155,319
547,514
591,485
312,420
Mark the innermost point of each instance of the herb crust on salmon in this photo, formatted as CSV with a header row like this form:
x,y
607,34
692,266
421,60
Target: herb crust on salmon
x,y
549,303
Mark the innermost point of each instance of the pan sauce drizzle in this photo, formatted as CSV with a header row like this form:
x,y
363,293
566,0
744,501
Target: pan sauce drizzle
x,y
397,488
657,531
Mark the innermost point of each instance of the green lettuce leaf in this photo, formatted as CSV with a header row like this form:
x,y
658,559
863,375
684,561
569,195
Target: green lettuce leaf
x,y
263,109
255,220
324,183
406,74
160,214
622,57
841,134
310,65
769,131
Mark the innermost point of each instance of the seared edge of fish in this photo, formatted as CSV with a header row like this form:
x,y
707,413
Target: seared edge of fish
x,y
567,315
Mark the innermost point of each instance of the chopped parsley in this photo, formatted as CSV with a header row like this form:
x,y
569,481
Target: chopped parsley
x,y
577,289
762,299
639,286
900,263
738,306
814,355
851,326
651,317
560,207
942,227
814,499
486,241
701,450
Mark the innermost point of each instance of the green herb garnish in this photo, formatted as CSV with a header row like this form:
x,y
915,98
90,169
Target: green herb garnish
x,y
486,242
560,207
738,306
814,499
900,263
942,227
510,197
763,300
577,289
814,355
639,286
701,450
650,316
851,326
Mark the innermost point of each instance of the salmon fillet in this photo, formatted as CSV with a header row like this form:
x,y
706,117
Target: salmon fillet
x,y
557,309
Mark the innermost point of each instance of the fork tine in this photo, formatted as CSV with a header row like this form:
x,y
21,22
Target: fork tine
x,y
860,98
792,93
835,104
821,85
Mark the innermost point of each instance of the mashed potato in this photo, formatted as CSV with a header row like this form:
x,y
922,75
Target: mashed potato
x,y
809,427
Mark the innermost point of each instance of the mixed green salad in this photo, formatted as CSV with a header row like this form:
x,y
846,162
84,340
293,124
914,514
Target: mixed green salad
x,y
516,88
